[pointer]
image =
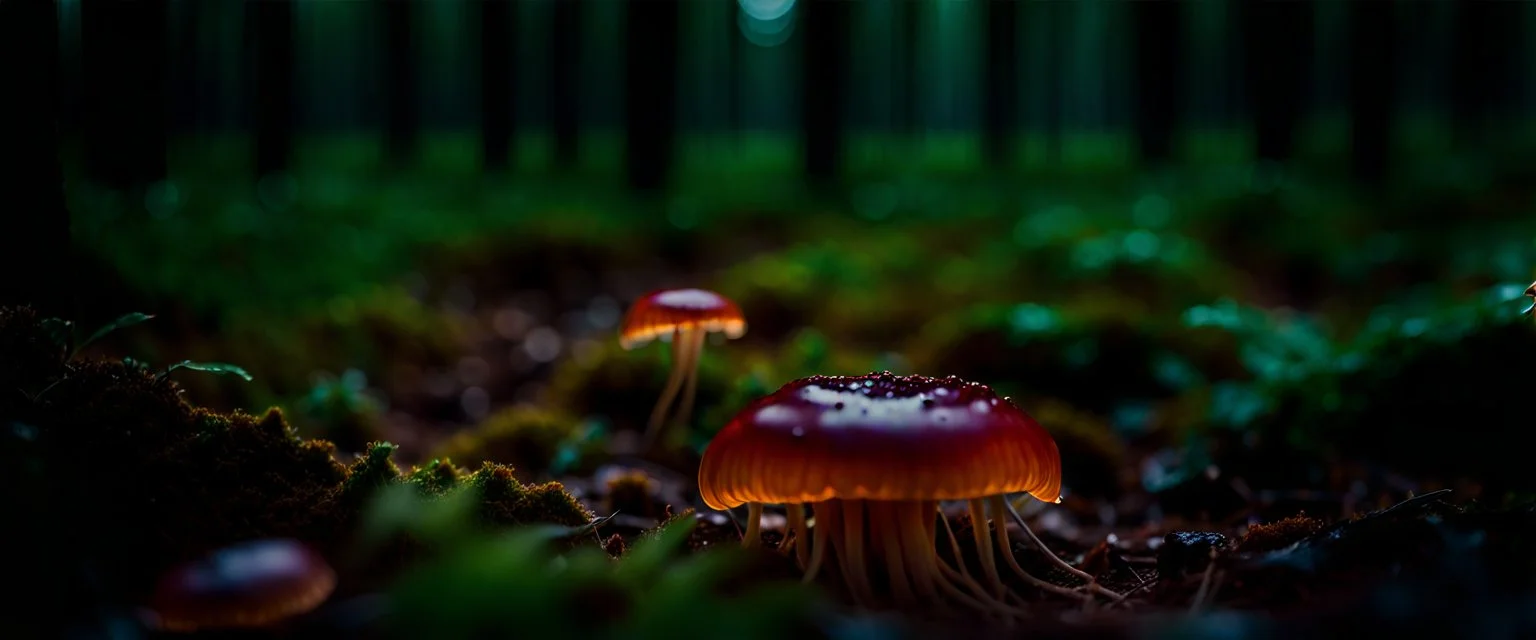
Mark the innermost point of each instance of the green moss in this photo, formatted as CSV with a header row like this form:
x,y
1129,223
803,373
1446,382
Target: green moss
x,y
505,501
374,470
532,440
437,477
141,479
173,480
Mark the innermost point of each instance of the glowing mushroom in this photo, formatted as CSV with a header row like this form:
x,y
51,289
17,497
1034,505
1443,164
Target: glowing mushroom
x,y
873,456
688,316
1530,292
253,584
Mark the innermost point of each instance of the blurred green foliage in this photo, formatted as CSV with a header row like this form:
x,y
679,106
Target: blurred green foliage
x,y
534,441
1240,312
517,583
338,409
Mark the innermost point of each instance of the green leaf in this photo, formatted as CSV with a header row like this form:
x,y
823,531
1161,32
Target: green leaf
x,y
210,367
127,320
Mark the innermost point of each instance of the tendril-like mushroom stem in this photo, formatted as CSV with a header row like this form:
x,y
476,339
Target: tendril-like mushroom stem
x,y
688,316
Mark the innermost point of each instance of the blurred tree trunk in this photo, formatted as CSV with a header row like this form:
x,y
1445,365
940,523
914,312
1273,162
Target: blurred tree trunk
x,y
824,74
183,82
272,86
34,234
1158,32
565,44
1278,36
1002,93
1054,14
124,102
497,79
734,50
1371,89
650,91
402,112
1485,40
905,68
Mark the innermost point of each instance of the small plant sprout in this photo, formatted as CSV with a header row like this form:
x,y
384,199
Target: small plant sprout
x,y
873,456
249,585
687,316
210,367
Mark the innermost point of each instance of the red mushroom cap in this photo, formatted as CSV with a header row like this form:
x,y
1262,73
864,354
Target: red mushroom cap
x,y
661,312
878,437
252,584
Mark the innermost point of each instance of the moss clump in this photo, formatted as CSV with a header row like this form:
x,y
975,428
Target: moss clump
x,y
123,447
505,501
533,440
139,479
437,477
632,492
1279,534
372,471
621,387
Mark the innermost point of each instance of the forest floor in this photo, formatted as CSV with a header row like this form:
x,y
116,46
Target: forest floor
x,y
1251,408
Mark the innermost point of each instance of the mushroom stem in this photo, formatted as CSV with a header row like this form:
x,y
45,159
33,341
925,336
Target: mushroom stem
x,y
1005,548
674,383
983,534
921,550
884,530
695,347
919,569
1001,502
802,541
853,547
753,538
819,543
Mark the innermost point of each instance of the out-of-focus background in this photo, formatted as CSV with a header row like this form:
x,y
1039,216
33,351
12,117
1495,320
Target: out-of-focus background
x,y
1242,259
1187,234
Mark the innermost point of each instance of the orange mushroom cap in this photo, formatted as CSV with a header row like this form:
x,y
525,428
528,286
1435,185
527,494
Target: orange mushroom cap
x,y
878,437
252,584
661,312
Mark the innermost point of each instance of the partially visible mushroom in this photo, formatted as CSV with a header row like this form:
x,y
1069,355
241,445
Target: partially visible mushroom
x,y
873,456
688,316
1530,292
248,585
